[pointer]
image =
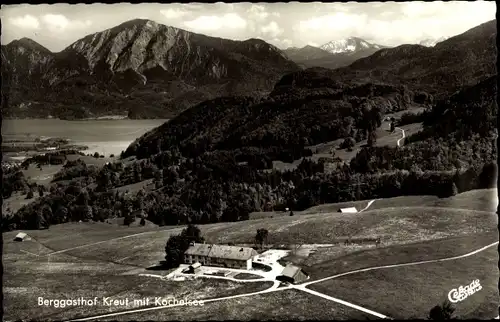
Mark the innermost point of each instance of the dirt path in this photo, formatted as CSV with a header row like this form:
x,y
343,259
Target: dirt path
x,y
403,132
401,265
368,206
301,287
333,299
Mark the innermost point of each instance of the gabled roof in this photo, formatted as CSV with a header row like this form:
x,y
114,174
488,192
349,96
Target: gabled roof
x,y
198,250
21,235
290,271
348,210
221,251
232,252
196,265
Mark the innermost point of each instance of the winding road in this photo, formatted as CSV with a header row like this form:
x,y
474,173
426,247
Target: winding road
x,y
275,287
402,138
301,287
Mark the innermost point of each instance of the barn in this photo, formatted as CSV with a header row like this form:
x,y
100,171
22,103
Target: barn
x,y
21,237
349,210
292,274
220,255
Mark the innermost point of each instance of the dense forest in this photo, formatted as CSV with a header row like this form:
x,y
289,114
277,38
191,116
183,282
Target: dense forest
x,y
214,162
281,127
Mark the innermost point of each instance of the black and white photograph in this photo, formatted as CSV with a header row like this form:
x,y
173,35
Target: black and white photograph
x,y
249,161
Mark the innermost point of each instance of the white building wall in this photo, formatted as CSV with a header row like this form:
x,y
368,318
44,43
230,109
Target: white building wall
x,y
249,263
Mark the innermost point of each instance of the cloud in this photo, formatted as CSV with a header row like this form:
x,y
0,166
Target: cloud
x,y
173,13
415,9
229,20
59,23
258,12
281,43
25,22
337,21
272,29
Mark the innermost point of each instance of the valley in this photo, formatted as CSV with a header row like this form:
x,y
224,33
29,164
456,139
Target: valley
x,y
350,180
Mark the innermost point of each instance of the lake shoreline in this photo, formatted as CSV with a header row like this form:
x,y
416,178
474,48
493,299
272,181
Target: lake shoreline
x,y
104,136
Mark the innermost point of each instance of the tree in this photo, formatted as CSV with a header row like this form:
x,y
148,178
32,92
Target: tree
x,y
158,179
174,250
261,237
372,138
454,189
178,244
41,190
143,222
30,194
128,218
442,312
348,143
193,234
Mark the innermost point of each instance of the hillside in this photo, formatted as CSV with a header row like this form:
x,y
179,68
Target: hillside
x,y
214,161
441,70
139,68
279,127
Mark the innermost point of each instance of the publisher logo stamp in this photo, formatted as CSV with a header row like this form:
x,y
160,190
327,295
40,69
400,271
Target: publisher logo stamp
x,y
460,294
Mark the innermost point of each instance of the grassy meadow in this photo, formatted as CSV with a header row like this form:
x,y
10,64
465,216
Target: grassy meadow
x,y
410,292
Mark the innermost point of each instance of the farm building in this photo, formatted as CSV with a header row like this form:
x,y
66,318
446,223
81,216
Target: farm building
x,y
22,237
220,255
292,274
350,210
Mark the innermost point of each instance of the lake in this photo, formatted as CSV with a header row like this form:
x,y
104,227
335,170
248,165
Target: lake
x,y
102,136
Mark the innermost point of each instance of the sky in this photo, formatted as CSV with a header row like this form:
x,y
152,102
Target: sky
x,y
281,24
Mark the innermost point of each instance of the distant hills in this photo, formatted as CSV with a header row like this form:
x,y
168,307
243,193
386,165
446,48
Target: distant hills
x,y
334,54
147,70
317,105
459,61
140,67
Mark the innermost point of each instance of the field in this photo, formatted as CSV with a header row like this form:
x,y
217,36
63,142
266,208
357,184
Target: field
x,y
16,201
384,138
404,286
135,187
483,200
285,305
392,225
330,261
28,274
100,259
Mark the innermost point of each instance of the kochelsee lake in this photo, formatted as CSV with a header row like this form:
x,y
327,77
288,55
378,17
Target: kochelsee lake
x,y
102,136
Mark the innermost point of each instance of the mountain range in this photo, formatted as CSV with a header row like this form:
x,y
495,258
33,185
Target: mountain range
x,y
317,105
334,54
147,70
457,62
140,67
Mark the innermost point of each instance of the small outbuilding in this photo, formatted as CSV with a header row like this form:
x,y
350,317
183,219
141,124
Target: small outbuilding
x,y
349,210
194,268
21,237
292,274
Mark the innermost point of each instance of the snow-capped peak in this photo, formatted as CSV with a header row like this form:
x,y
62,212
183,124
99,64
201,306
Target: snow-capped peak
x,y
431,42
348,45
